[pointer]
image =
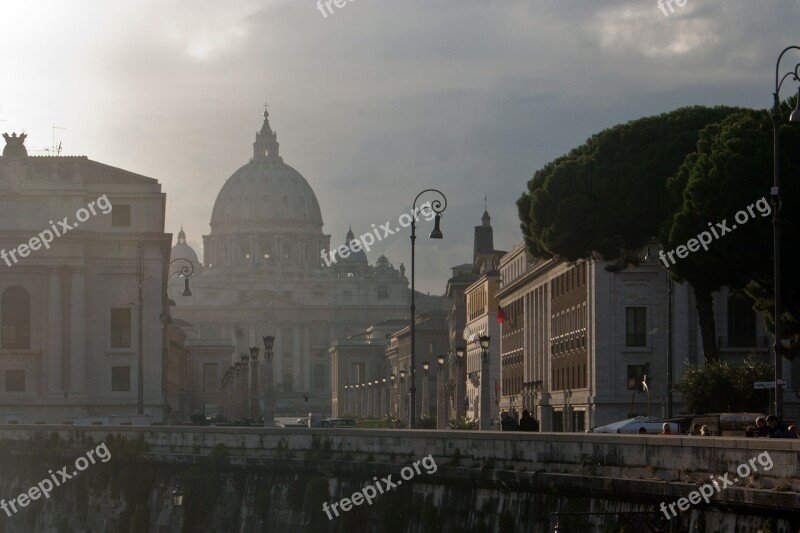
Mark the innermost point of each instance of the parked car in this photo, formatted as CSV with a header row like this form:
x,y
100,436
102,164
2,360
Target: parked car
x,y
338,423
652,425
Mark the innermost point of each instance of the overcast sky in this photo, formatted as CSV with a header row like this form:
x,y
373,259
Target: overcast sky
x,y
377,101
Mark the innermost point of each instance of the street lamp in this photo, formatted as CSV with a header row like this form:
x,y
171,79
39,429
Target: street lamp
x,y
246,384
186,272
391,396
269,406
670,343
441,416
426,395
384,398
461,383
485,395
775,195
401,396
254,350
437,207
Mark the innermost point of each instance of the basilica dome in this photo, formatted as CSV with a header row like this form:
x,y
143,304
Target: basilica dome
x,y
182,250
265,191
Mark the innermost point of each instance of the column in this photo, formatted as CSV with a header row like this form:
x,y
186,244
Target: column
x,y
51,365
78,332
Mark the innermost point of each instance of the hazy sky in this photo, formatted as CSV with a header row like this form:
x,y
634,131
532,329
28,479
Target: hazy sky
x,y
377,101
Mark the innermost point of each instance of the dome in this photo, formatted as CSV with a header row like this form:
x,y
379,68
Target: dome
x,y
183,251
354,257
266,190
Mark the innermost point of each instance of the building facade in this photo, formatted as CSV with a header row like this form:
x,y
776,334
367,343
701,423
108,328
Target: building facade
x,y
263,274
431,339
590,332
80,317
483,387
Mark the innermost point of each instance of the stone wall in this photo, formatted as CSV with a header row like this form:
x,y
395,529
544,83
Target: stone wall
x,y
488,477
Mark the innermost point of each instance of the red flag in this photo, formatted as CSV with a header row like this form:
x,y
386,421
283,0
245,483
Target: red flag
x,y
500,316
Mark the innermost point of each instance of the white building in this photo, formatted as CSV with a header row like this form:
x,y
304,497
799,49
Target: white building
x,y
263,274
71,333
588,333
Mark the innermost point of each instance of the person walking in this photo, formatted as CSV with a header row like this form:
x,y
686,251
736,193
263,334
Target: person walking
x,y
527,422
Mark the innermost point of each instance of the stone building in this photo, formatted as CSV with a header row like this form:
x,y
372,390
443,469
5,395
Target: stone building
x,y
483,387
80,315
589,332
484,260
431,341
263,274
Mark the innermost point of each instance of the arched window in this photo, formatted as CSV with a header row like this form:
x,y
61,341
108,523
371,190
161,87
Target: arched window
x,y
15,317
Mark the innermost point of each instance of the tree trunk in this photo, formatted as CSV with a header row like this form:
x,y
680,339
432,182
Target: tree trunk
x,y
705,315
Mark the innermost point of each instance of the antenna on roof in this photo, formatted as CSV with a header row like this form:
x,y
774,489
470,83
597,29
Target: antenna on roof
x,y
56,149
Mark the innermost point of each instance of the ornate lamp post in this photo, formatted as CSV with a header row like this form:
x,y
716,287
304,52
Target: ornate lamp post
x,y
392,385
401,397
441,413
269,405
246,385
777,121
426,410
461,384
384,397
254,350
485,406
437,207
370,398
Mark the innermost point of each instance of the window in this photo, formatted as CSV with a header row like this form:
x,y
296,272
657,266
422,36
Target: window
x,y
636,374
121,327
120,378
383,292
15,317
741,321
635,328
121,215
558,420
347,296
431,347
319,378
288,383
15,381
210,377
578,421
